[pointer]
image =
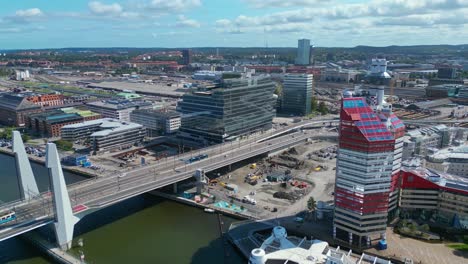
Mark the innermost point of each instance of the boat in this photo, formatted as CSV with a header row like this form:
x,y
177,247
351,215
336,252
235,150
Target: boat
x,y
281,248
209,210
7,217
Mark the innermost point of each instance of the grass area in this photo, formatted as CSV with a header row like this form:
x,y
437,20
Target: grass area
x,y
461,247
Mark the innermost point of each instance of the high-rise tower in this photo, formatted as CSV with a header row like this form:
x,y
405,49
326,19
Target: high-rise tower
x,y
303,52
368,164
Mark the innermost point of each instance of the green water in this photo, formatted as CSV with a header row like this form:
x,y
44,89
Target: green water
x,y
143,229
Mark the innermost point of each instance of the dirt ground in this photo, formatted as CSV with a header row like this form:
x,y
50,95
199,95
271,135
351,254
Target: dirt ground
x,y
302,163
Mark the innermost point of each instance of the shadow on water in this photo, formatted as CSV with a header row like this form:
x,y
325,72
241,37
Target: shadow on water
x,y
115,212
17,251
218,252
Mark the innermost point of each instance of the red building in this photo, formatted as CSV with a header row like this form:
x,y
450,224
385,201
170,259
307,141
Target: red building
x,y
368,165
47,99
434,197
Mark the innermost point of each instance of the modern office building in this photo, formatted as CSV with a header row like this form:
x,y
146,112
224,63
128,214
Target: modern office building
x,y
118,109
157,121
15,108
450,160
303,52
105,134
378,74
368,166
229,110
186,56
421,142
434,197
297,94
447,73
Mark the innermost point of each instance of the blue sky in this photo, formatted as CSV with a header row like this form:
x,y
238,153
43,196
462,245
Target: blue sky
x,y
240,23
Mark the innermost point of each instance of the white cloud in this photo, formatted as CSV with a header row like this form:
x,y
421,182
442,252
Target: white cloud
x,y
370,14
283,3
99,8
183,21
29,13
172,6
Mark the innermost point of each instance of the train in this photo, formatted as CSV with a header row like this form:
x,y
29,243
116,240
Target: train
x,y
197,158
7,217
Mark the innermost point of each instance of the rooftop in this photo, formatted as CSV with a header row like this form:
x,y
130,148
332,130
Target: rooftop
x,y
442,179
460,153
118,104
107,126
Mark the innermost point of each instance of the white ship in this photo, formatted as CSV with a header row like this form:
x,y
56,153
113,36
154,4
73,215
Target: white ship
x,y
281,249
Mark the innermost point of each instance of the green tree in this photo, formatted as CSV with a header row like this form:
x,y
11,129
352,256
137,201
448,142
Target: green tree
x,y
7,133
314,104
425,228
311,205
322,108
278,89
64,145
25,137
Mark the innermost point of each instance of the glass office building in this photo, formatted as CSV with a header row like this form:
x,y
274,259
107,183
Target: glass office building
x,y
228,110
297,94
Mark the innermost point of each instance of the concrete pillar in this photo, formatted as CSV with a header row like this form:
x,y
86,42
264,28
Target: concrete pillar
x,y
368,241
334,232
200,176
65,220
174,188
350,237
27,181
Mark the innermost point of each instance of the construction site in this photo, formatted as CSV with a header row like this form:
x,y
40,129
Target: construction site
x,y
279,184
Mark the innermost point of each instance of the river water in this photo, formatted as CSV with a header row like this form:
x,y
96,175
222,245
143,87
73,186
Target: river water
x,y
143,229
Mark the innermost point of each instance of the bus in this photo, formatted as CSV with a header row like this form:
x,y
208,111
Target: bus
x,y
7,217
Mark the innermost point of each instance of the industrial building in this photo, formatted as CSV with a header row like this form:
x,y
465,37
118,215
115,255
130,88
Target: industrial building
x,y
118,109
434,197
231,109
158,122
49,123
15,108
105,134
368,166
443,90
297,94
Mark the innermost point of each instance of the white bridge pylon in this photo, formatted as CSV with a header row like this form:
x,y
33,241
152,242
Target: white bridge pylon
x,y
65,220
23,168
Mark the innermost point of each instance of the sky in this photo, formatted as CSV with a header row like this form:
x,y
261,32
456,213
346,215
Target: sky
x,y
26,24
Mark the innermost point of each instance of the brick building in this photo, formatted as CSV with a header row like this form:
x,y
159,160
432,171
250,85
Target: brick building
x,y
14,109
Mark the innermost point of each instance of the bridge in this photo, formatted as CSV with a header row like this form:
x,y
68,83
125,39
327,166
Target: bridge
x,y
65,205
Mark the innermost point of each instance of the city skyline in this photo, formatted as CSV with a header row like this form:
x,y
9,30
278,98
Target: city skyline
x,y
240,23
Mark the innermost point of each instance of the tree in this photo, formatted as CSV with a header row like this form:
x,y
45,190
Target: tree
x,y
311,205
25,137
314,104
7,133
64,145
425,228
278,89
322,108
